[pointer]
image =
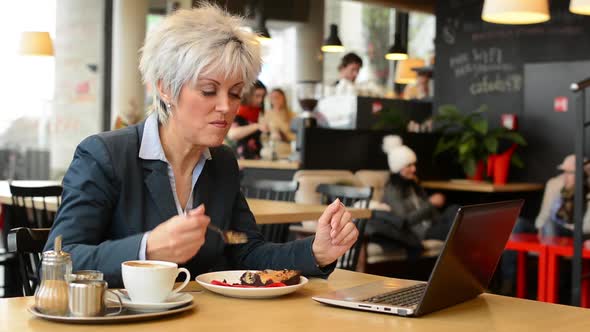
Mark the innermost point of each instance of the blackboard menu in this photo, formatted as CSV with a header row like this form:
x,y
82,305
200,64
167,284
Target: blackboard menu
x,y
482,63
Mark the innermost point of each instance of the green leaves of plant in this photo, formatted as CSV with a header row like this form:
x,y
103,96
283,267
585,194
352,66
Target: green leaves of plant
x,y
470,137
514,137
469,167
480,126
391,119
516,161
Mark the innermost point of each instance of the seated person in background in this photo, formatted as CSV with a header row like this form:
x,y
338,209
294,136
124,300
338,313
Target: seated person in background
x,y
149,191
560,217
554,218
245,131
420,89
278,121
408,214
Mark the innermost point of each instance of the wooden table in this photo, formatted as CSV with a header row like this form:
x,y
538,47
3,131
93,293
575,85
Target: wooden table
x,y
481,186
265,211
269,164
276,212
298,312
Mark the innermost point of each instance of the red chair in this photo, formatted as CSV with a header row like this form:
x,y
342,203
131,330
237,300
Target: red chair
x,y
523,244
563,247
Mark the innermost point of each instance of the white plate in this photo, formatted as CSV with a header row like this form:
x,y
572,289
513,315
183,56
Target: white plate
x,y
245,293
173,301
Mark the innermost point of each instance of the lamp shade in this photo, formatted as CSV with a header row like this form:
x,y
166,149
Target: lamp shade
x,y
332,44
36,43
581,7
404,73
397,51
515,11
262,34
260,28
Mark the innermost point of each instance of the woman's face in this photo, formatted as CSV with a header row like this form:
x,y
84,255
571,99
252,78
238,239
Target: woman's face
x,y
408,172
205,112
258,97
277,100
569,180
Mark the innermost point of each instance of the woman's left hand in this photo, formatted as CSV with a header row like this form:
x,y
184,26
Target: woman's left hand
x,y
335,234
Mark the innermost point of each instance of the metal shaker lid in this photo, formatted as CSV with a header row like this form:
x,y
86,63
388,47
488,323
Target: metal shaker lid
x,y
57,254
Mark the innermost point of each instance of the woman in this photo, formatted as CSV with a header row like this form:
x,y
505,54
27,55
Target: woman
x,y
149,191
278,121
410,215
246,129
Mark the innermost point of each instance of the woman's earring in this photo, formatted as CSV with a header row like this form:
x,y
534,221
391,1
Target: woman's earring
x,y
168,107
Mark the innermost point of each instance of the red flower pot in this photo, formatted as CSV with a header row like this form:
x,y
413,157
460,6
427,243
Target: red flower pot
x,y
499,165
479,171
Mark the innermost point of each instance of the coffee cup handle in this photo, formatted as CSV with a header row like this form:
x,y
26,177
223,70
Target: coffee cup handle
x,y
185,282
120,304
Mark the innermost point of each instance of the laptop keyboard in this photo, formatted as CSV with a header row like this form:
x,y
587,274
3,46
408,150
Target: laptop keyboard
x,y
405,297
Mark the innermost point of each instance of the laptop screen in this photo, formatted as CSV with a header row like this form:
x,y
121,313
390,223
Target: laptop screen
x,y
471,254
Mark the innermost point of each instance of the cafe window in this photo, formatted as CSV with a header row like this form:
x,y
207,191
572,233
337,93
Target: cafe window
x,y
278,59
27,89
50,103
368,30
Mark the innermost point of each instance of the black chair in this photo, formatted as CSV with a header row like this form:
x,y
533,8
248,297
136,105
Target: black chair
x,y
351,197
27,244
10,263
29,205
277,191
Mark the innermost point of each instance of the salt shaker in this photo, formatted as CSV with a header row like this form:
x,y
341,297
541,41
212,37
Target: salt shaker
x,y
51,297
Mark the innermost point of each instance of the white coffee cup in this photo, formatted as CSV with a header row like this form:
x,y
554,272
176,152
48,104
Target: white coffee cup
x,y
151,281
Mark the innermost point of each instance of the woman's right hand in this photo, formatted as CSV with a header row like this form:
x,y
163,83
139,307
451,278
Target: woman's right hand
x,y
179,238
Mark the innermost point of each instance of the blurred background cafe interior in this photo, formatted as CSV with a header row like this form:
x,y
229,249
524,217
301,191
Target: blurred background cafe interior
x,y
410,107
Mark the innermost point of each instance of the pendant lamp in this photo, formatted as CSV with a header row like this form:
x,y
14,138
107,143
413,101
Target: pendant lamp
x,y
581,7
332,44
405,73
260,28
36,43
399,49
515,11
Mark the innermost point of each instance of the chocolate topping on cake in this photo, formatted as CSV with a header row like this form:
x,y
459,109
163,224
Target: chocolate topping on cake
x,y
267,277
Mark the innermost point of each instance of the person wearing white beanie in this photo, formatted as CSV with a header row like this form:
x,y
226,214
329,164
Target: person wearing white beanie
x,y
398,155
412,215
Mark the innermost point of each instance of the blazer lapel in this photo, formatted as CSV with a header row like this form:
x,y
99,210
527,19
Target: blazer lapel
x,y
203,188
158,184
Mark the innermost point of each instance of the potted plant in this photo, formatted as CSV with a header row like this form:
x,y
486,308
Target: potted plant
x,y
391,119
470,138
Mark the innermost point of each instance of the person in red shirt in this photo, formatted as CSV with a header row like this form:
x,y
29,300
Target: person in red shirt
x,y
245,130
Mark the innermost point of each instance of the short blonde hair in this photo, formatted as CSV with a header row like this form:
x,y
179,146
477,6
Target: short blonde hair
x,y
196,41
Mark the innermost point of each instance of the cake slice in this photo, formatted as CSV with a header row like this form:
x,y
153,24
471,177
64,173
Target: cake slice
x,y
267,277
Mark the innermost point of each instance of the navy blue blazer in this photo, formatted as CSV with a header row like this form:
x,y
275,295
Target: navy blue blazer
x,y
111,197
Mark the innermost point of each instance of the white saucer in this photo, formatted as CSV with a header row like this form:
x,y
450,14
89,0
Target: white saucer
x,y
173,301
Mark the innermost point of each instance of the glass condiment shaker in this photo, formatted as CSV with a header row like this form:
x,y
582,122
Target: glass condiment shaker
x,y
51,297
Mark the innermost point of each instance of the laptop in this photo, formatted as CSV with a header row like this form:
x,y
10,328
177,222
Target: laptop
x,y
463,270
